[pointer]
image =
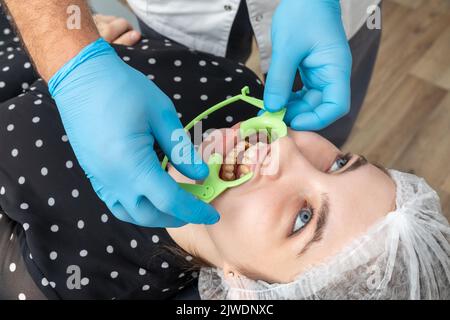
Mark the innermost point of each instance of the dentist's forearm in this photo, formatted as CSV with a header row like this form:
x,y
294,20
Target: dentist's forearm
x,y
43,27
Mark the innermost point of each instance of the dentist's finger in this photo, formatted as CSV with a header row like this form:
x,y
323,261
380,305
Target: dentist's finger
x,y
336,104
129,38
144,213
175,142
280,80
120,212
111,31
168,197
307,101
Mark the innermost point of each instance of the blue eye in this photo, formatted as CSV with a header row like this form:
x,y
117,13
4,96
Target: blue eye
x,y
340,163
303,218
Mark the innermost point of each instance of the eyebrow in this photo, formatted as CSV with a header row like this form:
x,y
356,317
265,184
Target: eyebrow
x,y
321,223
325,207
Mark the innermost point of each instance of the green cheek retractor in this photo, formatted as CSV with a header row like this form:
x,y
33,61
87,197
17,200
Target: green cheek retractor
x,y
213,185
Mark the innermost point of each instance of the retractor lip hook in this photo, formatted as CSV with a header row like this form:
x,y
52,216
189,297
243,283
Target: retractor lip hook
x,y
213,185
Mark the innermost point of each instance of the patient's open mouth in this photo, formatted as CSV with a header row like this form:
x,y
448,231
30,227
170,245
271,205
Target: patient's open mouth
x,y
244,157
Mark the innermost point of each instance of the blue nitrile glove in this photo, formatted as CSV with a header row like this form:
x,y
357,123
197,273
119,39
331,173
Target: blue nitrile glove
x,y
308,35
112,115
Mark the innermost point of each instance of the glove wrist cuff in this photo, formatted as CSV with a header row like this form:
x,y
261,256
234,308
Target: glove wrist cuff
x,y
95,49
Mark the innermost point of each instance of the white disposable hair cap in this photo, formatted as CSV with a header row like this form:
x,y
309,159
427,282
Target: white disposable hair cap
x,y
406,255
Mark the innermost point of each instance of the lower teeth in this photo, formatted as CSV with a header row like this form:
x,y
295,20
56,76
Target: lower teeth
x,y
243,169
228,176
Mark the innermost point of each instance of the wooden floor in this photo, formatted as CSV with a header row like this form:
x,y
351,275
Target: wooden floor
x,y
405,121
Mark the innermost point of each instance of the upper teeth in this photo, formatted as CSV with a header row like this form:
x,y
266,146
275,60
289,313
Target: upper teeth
x,y
237,162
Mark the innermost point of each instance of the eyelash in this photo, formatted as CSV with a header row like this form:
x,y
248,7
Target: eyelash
x,y
347,157
311,209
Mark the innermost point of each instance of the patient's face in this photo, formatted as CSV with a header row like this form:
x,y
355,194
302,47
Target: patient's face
x,y
311,201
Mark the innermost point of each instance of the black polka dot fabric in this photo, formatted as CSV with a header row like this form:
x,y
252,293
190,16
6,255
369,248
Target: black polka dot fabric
x,y
16,70
15,280
72,246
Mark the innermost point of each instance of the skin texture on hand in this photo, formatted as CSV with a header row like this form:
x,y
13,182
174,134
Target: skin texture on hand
x,y
112,115
309,36
42,25
116,30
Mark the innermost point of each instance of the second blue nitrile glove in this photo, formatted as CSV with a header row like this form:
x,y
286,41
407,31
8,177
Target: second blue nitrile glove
x,y
308,35
112,115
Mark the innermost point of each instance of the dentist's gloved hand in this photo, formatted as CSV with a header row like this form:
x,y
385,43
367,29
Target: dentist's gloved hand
x,y
308,35
112,115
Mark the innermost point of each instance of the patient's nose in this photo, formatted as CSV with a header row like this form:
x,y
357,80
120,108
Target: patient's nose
x,y
317,150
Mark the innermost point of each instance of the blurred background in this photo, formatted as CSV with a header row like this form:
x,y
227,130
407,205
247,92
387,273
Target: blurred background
x,y
405,121
114,8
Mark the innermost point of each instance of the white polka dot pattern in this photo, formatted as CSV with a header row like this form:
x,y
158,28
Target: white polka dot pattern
x,y
78,227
